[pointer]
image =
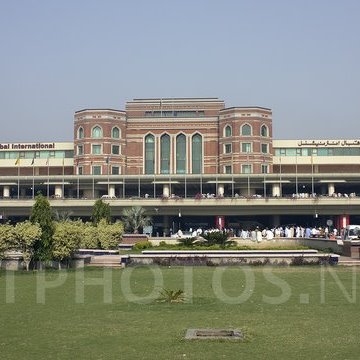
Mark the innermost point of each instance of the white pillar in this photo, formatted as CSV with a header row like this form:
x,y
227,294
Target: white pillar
x,y
58,191
6,191
112,190
276,190
331,188
166,190
220,189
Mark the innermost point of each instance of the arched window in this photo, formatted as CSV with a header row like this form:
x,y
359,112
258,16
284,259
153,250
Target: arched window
x,y
96,132
181,154
115,133
228,131
197,154
165,154
80,133
149,154
264,130
246,130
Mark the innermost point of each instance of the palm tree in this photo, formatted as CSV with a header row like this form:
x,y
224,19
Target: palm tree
x,y
135,219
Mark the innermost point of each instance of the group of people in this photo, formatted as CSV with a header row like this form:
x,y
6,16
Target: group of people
x,y
288,231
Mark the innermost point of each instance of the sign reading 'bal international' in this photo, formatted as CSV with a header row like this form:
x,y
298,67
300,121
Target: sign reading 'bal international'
x,y
28,146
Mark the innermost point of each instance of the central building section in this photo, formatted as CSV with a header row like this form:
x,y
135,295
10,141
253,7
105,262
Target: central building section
x,y
173,136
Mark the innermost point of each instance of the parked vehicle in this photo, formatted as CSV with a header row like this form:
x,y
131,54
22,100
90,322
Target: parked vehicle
x,y
352,232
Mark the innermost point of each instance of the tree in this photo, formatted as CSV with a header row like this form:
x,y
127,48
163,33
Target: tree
x,y
101,210
89,239
42,215
6,238
64,215
109,235
66,239
25,235
135,219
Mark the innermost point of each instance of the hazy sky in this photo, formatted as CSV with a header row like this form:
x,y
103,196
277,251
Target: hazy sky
x,y
300,58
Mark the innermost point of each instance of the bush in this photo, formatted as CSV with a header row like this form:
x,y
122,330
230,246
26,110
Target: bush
x,y
142,245
217,238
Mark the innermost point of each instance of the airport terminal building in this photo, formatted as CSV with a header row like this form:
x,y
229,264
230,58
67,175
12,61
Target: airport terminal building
x,y
190,162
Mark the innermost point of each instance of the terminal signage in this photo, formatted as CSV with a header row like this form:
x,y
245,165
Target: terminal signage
x,y
329,143
27,146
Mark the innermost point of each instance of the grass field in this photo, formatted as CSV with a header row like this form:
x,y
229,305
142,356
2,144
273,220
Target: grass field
x,y
285,312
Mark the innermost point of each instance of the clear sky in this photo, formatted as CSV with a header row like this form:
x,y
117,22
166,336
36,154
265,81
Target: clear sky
x,y
299,58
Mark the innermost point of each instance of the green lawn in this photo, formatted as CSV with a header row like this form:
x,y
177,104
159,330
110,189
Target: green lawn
x,y
317,317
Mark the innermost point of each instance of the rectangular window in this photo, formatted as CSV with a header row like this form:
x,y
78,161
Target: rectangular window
x,y
246,169
227,169
115,150
264,148
80,150
245,147
96,170
290,152
115,170
227,148
80,170
96,150
264,169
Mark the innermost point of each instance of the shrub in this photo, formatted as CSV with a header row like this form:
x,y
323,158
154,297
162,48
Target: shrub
x,y
142,245
171,296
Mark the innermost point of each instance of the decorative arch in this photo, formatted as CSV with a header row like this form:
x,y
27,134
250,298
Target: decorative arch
x,y
181,154
246,130
80,134
264,131
96,132
115,132
149,154
228,131
165,154
196,156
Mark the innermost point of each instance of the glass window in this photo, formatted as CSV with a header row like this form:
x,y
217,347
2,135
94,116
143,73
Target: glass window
x,y
115,133
227,148
264,169
115,170
80,150
96,149
96,132
265,148
181,154
246,169
197,154
322,152
290,152
245,147
227,169
96,170
264,130
228,131
165,154
149,154
80,133
115,149
80,170
246,130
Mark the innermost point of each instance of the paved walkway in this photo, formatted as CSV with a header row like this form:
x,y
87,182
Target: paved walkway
x,y
348,261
